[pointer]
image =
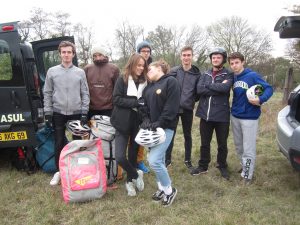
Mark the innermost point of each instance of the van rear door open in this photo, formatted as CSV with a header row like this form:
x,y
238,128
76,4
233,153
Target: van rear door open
x,y
23,70
16,124
47,55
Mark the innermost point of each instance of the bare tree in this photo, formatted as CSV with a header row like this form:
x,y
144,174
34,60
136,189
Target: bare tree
x,y
161,40
295,9
40,23
126,39
197,39
293,51
84,41
24,30
176,45
61,24
235,34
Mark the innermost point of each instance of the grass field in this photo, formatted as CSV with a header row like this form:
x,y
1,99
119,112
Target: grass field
x,y
273,198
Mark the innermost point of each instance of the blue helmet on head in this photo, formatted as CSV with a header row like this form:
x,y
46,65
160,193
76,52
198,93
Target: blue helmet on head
x,y
143,44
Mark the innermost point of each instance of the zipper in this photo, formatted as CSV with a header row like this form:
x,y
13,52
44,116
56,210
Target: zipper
x,y
208,109
209,100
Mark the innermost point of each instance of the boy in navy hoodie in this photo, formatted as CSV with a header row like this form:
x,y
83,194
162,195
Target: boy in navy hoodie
x,y
245,112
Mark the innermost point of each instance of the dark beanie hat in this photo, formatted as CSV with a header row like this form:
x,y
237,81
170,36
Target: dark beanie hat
x,y
143,44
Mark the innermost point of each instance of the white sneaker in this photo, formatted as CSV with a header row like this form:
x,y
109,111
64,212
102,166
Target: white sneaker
x,y
139,183
56,179
130,189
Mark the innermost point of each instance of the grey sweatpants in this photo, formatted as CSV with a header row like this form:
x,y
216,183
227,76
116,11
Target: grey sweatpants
x,y
244,136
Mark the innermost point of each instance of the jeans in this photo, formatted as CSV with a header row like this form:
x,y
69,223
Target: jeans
x,y
187,122
156,159
59,125
206,131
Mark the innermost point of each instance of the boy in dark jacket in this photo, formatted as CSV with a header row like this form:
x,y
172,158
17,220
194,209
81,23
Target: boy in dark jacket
x,y
214,111
187,76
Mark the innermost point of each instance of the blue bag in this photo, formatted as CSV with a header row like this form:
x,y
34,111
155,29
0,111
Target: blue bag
x,y
46,150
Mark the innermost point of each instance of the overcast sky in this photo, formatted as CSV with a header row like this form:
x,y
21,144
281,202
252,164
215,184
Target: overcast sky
x,y
106,15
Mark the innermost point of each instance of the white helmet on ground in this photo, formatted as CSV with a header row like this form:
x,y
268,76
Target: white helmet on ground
x,y
102,128
254,91
149,138
75,127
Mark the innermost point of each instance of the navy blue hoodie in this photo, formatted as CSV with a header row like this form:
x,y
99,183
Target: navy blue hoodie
x,y
241,108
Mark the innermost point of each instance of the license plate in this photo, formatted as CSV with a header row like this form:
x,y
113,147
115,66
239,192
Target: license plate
x,y
13,136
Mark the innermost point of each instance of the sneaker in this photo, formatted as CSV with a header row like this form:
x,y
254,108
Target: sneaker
x,y
198,170
188,164
168,163
224,172
130,189
143,167
158,195
168,199
55,179
138,182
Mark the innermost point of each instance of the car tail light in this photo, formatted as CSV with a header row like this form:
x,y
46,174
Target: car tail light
x,y
294,155
296,159
8,28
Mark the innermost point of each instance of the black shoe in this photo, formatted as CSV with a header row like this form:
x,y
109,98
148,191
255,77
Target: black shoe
x,y
188,164
158,195
168,163
224,172
168,199
198,170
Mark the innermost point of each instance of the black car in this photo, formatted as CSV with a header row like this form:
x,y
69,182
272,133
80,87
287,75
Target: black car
x,y
288,119
23,68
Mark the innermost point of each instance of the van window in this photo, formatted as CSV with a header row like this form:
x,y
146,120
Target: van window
x,y
51,58
5,62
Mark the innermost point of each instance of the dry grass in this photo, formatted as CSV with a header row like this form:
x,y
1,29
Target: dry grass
x,y
273,198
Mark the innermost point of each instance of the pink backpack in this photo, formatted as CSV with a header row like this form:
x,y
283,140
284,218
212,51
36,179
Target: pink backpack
x,y
83,172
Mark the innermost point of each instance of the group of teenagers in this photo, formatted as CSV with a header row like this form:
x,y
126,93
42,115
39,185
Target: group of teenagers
x,y
150,95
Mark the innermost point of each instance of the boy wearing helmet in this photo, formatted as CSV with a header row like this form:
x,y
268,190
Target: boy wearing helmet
x,y
66,97
245,112
214,111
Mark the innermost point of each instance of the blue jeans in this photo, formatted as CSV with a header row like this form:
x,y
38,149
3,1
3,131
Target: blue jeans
x,y
156,159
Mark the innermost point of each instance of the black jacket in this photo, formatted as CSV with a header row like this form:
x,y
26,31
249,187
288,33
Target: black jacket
x,y
162,102
214,96
188,85
123,116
